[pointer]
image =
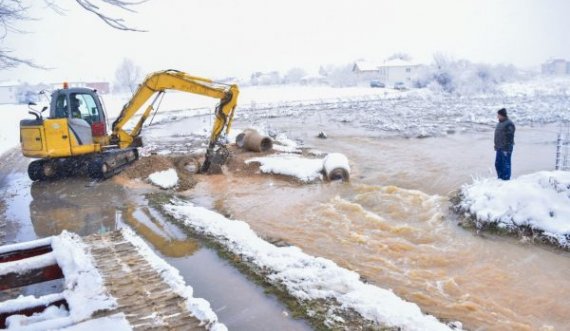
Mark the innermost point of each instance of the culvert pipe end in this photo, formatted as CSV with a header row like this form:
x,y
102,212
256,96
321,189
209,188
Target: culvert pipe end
x,y
251,140
336,167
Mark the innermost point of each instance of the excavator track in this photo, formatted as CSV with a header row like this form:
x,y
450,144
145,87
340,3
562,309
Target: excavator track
x,y
97,166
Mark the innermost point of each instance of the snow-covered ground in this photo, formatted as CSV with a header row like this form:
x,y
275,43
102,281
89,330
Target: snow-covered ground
x,y
539,201
10,125
306,277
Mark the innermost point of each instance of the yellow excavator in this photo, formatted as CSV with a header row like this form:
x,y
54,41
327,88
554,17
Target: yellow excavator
x,y
74,137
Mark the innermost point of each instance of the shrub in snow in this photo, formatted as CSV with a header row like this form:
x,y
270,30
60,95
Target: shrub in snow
x,y
538,202
164,179
462,77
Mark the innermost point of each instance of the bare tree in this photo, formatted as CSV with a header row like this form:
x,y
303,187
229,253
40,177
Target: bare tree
x,y
127,76
14,11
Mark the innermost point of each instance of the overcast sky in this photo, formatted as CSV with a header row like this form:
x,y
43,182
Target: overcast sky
x,y
218,38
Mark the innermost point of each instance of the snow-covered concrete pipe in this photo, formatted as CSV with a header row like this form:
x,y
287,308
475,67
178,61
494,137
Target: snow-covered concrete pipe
x,y
336,167
251,140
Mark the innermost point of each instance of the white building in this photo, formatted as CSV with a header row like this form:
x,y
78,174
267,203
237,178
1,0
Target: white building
x,y
556,67
9,92
388,72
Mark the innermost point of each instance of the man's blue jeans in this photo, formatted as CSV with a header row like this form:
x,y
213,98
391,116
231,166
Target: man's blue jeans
x,y
503,164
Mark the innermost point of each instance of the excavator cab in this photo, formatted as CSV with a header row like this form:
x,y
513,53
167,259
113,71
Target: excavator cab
x,y
76,126
83,109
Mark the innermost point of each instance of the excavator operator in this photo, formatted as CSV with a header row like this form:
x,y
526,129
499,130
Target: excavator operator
x,y
75,104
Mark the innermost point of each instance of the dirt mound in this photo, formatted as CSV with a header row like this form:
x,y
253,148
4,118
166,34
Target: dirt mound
x,y
237,165
146,166
185,167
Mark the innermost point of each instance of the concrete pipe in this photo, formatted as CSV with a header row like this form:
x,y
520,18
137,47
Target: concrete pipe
x,y
336,167
251,140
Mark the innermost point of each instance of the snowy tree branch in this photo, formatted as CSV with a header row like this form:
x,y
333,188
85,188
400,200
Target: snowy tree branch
x,y
117,23
14,11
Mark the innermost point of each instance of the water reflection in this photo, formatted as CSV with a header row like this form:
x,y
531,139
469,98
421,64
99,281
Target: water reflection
x,y
85,208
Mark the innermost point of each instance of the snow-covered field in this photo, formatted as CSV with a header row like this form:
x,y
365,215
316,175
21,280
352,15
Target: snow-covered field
x,y
306,277
413,113
538,201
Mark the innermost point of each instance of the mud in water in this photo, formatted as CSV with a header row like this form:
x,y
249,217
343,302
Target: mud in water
x,y
185,167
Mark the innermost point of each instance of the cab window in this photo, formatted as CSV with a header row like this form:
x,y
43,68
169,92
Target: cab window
x,y
61,110
83,106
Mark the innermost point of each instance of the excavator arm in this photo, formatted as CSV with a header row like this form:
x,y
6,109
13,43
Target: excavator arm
x,y
157,83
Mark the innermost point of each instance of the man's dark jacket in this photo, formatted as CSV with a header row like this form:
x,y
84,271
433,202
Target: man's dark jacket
x,y
505,136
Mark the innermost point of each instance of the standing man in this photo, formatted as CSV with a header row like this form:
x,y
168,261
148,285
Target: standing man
x,y
504,142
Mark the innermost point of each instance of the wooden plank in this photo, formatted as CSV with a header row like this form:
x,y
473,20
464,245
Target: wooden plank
x,y
33,276
24,254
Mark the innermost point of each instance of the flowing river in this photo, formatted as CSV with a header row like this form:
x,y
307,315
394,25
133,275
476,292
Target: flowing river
x,y
392,224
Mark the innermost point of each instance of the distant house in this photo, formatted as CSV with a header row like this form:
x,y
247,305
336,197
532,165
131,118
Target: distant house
x,y
387,72
313,80
9,92
556,67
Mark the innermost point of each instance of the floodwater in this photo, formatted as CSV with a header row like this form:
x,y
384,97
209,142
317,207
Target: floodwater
x,y
392,225
41,209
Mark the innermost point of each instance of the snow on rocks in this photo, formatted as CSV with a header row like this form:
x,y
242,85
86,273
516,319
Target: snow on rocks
x,y
164,179
306,277
539,202
199,307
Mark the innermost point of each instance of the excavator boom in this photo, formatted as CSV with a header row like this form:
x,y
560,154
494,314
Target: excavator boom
x,y
157,83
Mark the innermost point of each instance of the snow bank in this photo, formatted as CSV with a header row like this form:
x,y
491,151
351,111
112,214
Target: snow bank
x,y
306,170
540,201
199,307
10,125
164,179
306,277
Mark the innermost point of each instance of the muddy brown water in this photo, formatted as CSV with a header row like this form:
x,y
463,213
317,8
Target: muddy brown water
x,y
41,209
392,225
